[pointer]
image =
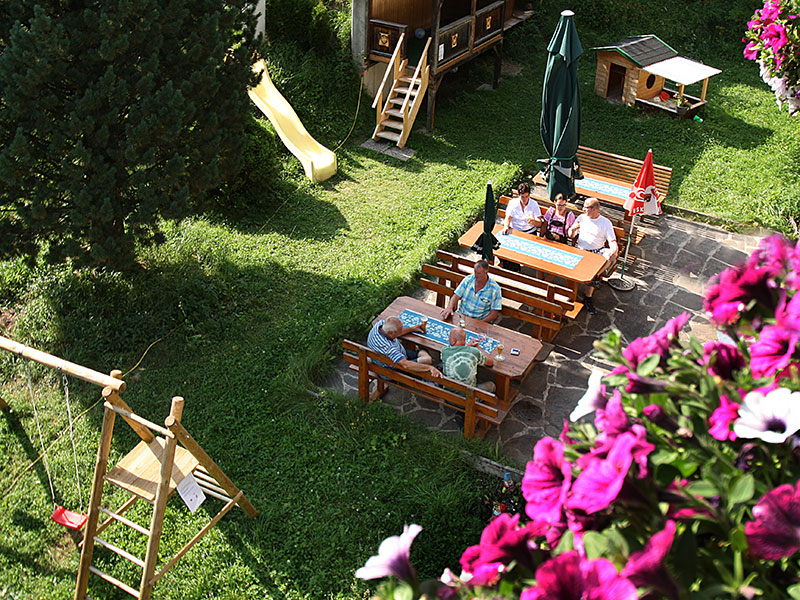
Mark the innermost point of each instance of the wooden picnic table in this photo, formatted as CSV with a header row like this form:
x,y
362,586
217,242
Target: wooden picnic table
x,y
553,255
513,367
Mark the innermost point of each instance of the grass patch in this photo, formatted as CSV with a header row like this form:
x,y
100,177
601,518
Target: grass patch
x,y
251,298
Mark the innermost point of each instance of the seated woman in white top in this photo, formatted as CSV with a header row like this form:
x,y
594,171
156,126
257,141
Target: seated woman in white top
x,y
523,214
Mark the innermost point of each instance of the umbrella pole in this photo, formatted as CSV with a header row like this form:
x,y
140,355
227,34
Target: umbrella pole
x,y
621,284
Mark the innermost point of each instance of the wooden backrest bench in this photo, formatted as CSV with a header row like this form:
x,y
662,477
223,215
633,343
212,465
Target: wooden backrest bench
x,y
481,409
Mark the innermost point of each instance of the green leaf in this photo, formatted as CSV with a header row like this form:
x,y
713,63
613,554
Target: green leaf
x,y
564,544
794,591
663,456
403,592
595,544
702,488
738,539
648,365
740,490
686,467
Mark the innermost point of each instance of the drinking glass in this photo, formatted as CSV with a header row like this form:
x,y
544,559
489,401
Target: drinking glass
x,y
500,348
424,323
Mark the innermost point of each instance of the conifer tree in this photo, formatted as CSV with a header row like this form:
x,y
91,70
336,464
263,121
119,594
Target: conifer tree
x,y
113,115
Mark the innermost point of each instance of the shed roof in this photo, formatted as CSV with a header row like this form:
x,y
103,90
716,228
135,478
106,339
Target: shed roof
x,y
682,70
643,50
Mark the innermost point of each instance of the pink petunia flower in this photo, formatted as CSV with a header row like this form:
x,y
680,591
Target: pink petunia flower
x,y
775,532
657,343
646,567
599,484
735,288
501,542
773,350
570,577
392,558
722,359
725,414
751,51
774,36
546,481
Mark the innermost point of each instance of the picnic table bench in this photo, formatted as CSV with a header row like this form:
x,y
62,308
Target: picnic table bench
x,y
547,294
481,409
609,177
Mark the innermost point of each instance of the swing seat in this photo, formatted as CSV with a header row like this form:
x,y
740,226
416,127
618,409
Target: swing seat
x,y
67,518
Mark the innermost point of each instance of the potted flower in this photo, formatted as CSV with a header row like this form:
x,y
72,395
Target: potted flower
x,y
773,41
678,477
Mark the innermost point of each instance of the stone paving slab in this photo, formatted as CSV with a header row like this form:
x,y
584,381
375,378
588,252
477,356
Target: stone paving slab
x,y
672,267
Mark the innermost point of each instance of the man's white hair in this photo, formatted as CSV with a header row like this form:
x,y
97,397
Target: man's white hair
x,y
392,325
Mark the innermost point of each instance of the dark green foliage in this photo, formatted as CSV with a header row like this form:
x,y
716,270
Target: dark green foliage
x,y
311,24
113,115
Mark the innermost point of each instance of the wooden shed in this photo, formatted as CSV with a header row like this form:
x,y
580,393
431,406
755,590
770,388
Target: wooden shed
x,y
636,70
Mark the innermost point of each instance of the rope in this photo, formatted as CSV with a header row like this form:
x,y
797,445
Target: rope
x,y
39,429
65,383
358,106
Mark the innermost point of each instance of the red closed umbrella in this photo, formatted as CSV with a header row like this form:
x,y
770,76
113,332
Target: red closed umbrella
x,y
642,200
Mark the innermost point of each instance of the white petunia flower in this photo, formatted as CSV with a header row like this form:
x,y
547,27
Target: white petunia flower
x,y
593,399
771,418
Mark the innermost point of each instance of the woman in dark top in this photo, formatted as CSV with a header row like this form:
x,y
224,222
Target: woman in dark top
x,y
557,220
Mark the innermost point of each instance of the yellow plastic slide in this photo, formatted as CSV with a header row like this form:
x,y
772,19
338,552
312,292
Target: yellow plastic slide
x,y
318,162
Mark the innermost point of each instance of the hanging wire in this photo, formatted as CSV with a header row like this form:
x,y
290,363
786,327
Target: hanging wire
x,y
65,383
358,106
39,429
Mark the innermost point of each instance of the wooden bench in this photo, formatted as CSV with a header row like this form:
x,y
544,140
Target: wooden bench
x,y
516,281
545,325
615,168
481,409
621,228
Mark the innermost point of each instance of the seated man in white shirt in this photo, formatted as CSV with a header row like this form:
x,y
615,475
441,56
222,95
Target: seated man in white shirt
x,y
593,231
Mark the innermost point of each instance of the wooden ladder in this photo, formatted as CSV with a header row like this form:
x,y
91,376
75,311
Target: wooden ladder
x,y
395,117
150,472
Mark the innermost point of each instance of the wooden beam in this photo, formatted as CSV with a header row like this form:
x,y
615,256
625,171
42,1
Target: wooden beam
x,y
705,89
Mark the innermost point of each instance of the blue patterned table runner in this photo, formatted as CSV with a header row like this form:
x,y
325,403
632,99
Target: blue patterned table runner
x,y
439,331
612,189
540,251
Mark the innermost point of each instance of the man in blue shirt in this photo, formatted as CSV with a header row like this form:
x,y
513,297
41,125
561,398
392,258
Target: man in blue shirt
x,y
477,296
384,339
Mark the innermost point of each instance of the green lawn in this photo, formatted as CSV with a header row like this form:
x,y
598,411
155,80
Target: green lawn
x,y
251,301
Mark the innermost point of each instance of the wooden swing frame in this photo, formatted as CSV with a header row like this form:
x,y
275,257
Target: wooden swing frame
x,y
151,471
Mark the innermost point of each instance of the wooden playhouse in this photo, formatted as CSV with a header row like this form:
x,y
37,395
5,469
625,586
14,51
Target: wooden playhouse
x,y
635,71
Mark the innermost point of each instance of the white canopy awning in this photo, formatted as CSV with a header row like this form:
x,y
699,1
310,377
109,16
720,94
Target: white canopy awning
x,y
683,71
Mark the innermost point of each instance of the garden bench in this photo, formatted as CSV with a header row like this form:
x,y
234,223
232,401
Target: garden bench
x,y
601,167
481,409
550,291
545,325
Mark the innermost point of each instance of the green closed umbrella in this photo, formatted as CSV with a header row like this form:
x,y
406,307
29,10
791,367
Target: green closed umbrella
x,y
486,243
561,107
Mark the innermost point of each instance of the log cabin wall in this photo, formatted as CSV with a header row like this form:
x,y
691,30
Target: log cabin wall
x,y
631,85
414,13
649,85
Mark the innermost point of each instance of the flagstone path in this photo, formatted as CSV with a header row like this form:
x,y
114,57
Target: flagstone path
x,y
672,267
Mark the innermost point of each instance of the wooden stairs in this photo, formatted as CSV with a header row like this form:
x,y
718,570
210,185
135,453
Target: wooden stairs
x,y
395,117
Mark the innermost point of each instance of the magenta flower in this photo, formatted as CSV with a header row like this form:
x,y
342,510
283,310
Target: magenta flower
x,y
773,350
657,343
725,414
569,577
735,289
751,51
774,36
484,575
546,481
501,542
775,254
599,484
775,532
392,558
722,359
657,415
646,567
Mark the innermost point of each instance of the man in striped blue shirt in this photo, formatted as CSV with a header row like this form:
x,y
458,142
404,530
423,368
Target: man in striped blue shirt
x,y
477,296
384,339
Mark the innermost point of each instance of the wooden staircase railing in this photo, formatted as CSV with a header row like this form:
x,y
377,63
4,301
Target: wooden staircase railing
x,y
405,92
